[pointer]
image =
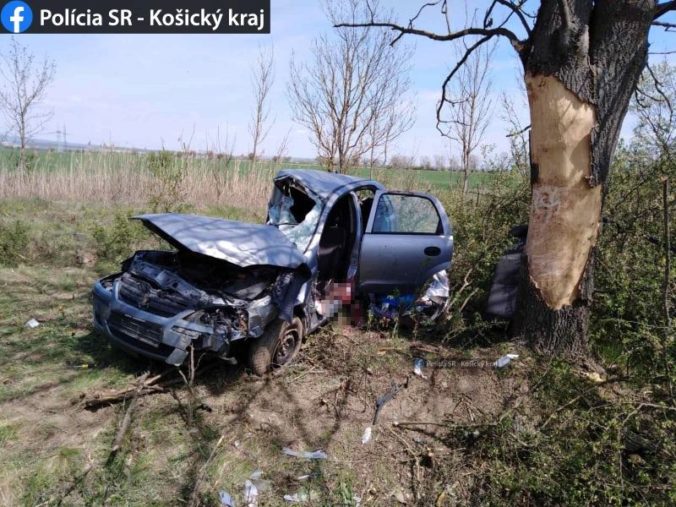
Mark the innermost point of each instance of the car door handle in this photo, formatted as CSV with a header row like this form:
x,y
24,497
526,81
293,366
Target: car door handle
x,y
432,251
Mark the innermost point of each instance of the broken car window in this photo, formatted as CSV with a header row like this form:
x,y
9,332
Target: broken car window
x,y
295,214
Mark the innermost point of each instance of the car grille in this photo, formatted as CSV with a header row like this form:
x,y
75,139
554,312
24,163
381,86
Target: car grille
x,y
139,294
146,332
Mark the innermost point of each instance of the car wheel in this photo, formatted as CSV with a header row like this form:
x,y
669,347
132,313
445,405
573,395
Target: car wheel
x,y
277,347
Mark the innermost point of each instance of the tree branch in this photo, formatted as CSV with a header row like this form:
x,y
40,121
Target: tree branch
x,y
455,69
665,25
499,32
663,8
516,9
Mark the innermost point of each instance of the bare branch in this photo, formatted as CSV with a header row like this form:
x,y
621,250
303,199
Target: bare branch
x,y
516,9
495,32
352,95
663,8
653,105
262,79
444,100
522,131
666,26
24,89
470,114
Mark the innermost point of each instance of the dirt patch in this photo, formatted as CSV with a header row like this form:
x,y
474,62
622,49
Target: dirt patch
x,y
235,423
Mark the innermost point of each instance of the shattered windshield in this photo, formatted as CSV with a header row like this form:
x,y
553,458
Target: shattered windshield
x,y
295,214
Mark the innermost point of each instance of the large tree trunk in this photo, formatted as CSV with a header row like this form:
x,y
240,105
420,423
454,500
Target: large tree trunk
x,y
583,63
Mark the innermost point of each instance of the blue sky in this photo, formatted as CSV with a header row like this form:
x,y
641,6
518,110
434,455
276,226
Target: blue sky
x,y
150,91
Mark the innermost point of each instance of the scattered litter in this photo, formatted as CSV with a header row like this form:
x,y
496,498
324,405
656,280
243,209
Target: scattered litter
x,y
418,365
366,437
399,496
260,484
236,444
226,499
305,454
296,498
388,396
594,377
303,477
250,494
391,307
302,497
32,324
505,360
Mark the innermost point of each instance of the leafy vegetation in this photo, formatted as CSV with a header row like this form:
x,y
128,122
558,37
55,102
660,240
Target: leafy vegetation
x,y
13,242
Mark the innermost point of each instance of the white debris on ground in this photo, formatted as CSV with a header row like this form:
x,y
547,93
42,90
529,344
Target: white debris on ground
x,y
305,454
226,499
418,365
366,437
32,324
505,360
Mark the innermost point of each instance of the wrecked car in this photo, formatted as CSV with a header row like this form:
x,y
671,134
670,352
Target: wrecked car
x,y
255,290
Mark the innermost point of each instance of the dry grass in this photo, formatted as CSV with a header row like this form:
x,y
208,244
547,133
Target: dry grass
x,y
199,182
108,177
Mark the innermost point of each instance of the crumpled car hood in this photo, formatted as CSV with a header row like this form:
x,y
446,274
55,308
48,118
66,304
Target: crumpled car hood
x,y
239,243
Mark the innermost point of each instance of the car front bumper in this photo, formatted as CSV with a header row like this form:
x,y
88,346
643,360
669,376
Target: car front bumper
x,y
146,334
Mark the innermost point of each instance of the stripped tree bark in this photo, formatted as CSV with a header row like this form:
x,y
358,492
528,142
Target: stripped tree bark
x,y
582,60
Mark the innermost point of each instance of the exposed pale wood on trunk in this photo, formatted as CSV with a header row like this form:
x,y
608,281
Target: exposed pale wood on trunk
x,y
565,210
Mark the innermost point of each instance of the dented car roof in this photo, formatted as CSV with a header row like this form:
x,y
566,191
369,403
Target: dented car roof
x,y
324,184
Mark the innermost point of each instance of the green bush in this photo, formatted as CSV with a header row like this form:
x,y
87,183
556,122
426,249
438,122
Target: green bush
x,y
116,242
169,171
14,240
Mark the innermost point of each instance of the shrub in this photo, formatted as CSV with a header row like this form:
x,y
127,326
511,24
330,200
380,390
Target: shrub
x,y
14,241
169,171
115,243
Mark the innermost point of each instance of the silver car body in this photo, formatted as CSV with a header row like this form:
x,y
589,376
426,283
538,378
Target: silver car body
x,y
321,227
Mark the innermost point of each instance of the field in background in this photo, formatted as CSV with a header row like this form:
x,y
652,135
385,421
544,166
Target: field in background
x,y
127,177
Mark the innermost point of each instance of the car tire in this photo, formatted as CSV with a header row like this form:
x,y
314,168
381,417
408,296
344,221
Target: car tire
x,y
277,347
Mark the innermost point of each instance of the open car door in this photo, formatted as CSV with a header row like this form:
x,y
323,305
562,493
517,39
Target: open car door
x,y
407,240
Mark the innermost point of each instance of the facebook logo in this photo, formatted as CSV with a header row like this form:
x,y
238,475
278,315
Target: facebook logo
x,y
16,16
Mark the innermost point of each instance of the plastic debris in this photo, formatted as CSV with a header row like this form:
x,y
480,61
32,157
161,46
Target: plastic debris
x,y
418,365
390,307
505,360
594,377
32,324
400,497
226,499
250,494
388,396
366,437
257,480
296,498
302,497
305,454
423,309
